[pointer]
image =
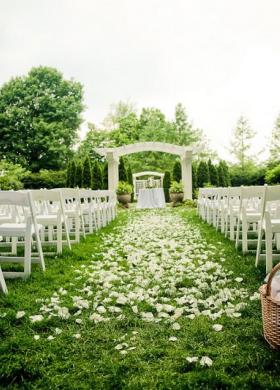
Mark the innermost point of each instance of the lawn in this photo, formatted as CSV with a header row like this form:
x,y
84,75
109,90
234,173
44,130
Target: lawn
x,y
156,300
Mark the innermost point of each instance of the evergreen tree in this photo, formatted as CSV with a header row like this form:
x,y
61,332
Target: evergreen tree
x,y
226,173
105,175
97,179
194,180
68,174
166,185
87,174
241,143
122,170
202,174
79,175
177,172
221,175
72,174
274,148
129,175
213,176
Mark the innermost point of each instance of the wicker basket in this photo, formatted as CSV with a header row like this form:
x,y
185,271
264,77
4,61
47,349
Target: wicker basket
x,y
270,312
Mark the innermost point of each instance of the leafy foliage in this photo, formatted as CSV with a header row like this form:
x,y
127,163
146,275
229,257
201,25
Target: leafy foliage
x,y
79,175
176,187
39,118
202,174
11,176
124,188
274,149
272,176
122,170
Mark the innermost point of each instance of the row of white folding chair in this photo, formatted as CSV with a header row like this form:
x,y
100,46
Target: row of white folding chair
x,y
23,223
269,225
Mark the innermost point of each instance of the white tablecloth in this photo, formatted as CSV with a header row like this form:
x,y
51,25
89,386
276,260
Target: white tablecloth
x,y
152,198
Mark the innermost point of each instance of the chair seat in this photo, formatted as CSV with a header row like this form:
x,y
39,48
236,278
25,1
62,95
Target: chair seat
x,y
6,219
71,213
47,219
275,225
15,229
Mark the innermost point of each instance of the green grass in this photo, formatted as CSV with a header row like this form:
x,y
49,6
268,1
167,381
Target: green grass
x,y
242,359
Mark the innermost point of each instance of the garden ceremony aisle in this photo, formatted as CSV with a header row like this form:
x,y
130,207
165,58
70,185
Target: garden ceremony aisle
x,y
155,300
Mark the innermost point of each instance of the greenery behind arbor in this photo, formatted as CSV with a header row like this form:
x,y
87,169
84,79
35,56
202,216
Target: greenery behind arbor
x,y
40,115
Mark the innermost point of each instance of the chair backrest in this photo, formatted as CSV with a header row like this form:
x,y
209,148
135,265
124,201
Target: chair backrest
x,y
272,193
15,198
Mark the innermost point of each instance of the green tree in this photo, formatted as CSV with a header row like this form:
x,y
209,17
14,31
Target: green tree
x,y
39,117
122,170
97,179
226,173
272,176
274,148
71,174
79,175
185,133
213,175
177,172
118,111
166,185
202,174
104,171
95,138
241,143
11,176
68,174
129,175
221,175
194,180
87,174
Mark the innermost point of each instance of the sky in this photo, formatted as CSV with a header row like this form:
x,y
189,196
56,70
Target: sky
x,y
219,58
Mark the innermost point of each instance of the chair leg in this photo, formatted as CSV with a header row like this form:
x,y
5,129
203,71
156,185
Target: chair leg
x,y
268,250
77,228
14,245
3,283
237,234
244,236
27,252
59,235
259,246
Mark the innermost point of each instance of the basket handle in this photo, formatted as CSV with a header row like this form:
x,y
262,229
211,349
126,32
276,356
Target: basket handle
x,y
271,276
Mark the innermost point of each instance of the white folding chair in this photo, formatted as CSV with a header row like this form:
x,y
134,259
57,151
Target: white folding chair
x,y
23,226
232,211
51,215
269,224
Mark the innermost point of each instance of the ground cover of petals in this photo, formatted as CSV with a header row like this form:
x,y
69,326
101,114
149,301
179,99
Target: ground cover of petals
x,y
156,300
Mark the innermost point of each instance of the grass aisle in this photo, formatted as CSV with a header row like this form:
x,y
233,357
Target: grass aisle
x,y
157,300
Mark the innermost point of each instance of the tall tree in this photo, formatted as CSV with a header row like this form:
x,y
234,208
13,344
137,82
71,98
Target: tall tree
x,y
241,143
79,175
213,176
166,185
185,133
39,117
118,111
71,175
274,148
97,179
177,171
122,170
104,171
87,173
202,174
194,180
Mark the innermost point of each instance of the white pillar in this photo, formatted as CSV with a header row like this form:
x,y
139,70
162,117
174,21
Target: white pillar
x,y
186,166
113,171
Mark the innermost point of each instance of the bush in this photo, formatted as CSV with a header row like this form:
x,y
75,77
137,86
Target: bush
x,y
202,174
11,176
97,178
272,176
124,188
87,173
176,187
122,171
45,179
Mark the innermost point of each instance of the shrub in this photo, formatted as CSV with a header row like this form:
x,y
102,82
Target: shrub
x,y
176,187
11,176
122,171
97,178
87,173
272,176
124,188
79,175
104,169
202,174
45,179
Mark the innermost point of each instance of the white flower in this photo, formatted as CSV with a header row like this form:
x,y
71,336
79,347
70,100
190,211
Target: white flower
x,y
134,309
36,337
77,336
63,313
58,331
239,280
217,327
255,296
192,359
172,338
79,320
20,314
176,326
101,309
119,346
147,316
123,352
50,338
206,361
36,318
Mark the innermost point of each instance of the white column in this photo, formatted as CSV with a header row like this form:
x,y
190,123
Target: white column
x,y
113,171
186,166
